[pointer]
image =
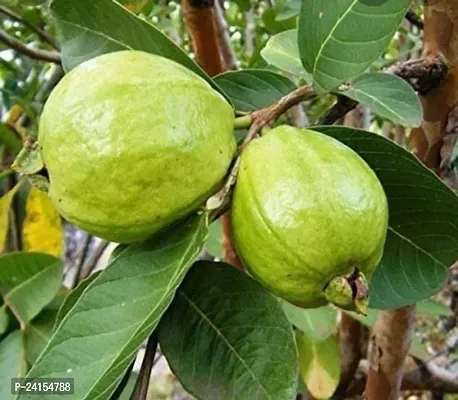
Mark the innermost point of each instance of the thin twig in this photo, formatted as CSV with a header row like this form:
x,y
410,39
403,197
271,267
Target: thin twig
x,y
142,384
42,55
93,259
83,256
40,32
343,106
259,120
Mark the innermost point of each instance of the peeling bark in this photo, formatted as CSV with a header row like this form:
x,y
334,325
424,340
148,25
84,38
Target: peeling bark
x,y
388,348
230,61
440,43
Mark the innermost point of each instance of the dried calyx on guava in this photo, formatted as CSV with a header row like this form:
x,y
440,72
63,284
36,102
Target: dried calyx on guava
x,y
133,142
309,218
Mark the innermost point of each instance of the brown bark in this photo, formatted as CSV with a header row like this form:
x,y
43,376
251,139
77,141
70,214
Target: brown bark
x,y
350,336
393,329
200,20
388,348
440,43
227,52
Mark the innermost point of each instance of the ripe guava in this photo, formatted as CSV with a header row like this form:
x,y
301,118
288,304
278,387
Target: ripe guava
x,y
309,218
133,142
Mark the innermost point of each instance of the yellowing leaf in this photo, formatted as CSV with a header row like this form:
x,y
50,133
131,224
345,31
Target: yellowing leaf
x,y
5,204
135,5
42,230
319,364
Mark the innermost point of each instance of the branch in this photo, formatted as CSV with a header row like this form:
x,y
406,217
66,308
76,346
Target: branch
x,y
390,343
42,55
259,120
40,32
227,52
92,260
423,74
343,106
350,335
142,384
430,377
200,21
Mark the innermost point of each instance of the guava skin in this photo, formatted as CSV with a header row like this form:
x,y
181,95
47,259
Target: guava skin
x,y
133,142
306,209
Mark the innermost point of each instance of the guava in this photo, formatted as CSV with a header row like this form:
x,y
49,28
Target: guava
x,y
309,218
133,142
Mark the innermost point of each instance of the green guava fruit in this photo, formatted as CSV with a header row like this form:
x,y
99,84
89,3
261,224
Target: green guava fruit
x,y
309,218
133,142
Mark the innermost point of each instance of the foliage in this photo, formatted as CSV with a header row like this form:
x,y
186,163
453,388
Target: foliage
x,y
224,335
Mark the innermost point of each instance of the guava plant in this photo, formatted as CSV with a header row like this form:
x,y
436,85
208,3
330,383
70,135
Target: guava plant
x,y
138,145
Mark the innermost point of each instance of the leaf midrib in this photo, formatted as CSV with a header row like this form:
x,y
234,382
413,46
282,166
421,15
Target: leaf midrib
x,y
225,340
330,35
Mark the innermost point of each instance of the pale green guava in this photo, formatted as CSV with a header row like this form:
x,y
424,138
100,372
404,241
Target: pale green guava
x,y
133,142
309,218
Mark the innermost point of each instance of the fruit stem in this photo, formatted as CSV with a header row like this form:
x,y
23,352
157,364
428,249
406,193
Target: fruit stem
x,y
243,122
349,292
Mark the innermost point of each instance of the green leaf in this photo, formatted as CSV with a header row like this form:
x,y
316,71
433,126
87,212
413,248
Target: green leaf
x,y
9,139
388,96
319,364
282,52
226,337
37,334
318,323
253,89
433,307
214,244
422,234
4,319
28,282
90,28
72,298
340,41
289,9
100,334
12,363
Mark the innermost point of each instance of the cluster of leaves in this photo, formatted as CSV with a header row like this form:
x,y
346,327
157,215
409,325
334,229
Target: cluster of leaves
x,y
223,334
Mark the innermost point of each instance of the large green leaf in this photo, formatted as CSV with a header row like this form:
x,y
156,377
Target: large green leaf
x,y
318,323
422,239
226,337
388,96
282,52
339,41
12,362
28,282
101,333
253,89
90,28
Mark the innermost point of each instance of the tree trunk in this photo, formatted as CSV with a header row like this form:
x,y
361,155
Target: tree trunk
x,y
388,348
393,329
